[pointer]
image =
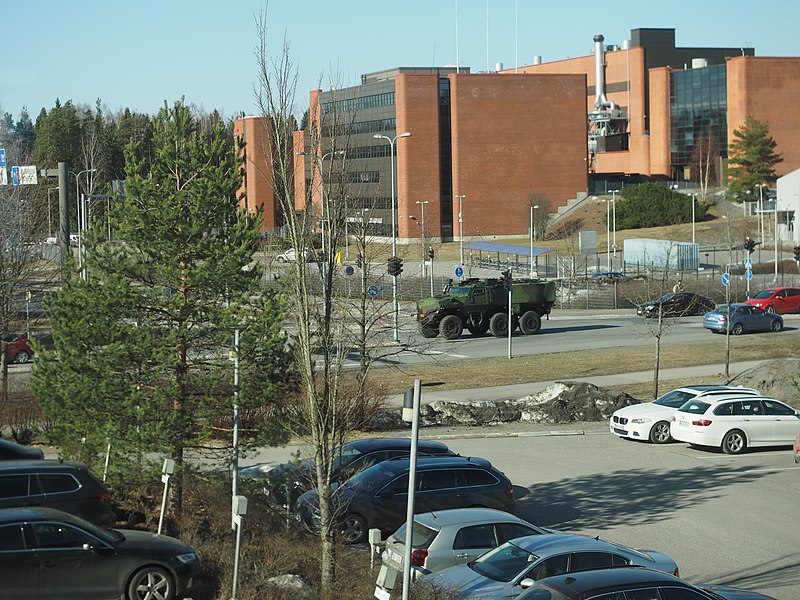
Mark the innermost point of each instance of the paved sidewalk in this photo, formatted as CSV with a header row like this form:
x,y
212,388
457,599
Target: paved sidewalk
x,y
714,373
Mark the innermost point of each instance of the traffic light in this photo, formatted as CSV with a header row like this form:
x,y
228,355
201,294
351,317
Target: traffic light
x,y
749,245
431,253
395,266
797,253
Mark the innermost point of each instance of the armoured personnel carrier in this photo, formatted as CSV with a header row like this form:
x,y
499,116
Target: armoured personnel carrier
x,y
481,306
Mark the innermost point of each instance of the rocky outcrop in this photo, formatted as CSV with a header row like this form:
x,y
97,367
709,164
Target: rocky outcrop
x,y
779,379
562,402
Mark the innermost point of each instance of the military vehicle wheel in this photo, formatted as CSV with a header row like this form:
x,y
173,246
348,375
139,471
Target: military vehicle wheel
x,y
428,332
498,325
451,327
478,330
530,322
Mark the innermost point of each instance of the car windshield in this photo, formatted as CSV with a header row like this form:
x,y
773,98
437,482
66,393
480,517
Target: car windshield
x,y
674,399
763,294
345,455
421,535
695,407
458,291
503,563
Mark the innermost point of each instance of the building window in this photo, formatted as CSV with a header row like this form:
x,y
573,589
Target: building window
x,y
354,104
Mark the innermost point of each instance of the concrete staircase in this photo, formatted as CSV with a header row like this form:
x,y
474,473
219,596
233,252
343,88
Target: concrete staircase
x,y
566,209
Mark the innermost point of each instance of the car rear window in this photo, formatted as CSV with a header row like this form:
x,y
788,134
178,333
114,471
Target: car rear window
x,y
477,477
422,536
694,407
56,483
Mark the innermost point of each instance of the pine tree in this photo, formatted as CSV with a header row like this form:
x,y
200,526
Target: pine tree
x,y
752,158
142,335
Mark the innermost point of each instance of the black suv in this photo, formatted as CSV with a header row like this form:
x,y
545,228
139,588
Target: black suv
x,y
13,451
67,486
284,483
376,497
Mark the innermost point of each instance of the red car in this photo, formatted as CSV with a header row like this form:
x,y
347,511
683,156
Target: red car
x,y
779,300
19,350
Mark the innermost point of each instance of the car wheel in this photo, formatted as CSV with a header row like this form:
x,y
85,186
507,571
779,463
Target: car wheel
x,y
769,308
530,323
478,330
151,583
776,326
22,357
353,529
734,442
498,324
451,327
428,332
659,434
737,329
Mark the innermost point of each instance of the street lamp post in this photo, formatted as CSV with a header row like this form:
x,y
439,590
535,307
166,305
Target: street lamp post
x,y
49,209
608,234
775,239
422,235
321,159
460,229
533,235
80,216
395,309
614,219
761,235
694,198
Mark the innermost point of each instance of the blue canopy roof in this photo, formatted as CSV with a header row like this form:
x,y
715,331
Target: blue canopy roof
x,y
507,248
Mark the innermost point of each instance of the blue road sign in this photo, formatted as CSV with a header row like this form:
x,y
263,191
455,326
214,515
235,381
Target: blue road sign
x,y
349,270
748,274
2,157
372,290
458,271
748,264
726,279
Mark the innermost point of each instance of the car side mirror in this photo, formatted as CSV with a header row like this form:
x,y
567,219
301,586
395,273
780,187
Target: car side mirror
x,y
526,583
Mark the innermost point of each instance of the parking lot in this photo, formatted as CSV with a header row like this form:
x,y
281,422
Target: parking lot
x,y
725,519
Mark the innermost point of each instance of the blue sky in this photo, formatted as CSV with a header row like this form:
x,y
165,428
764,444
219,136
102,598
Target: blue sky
x,y
139,54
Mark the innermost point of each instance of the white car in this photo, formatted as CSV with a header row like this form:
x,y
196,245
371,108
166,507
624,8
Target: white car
x,y
290,255
651,420
735,423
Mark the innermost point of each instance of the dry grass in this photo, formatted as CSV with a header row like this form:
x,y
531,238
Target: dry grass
x,y
478,373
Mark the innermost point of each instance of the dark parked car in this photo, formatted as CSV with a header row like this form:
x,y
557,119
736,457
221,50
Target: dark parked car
x,y
284,483
777,300
49,554
12,451
635,583
676,304
19,350
376,497
743,319
67,486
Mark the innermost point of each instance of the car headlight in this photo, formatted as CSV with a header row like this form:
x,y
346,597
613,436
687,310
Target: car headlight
x,y
640,420
187,558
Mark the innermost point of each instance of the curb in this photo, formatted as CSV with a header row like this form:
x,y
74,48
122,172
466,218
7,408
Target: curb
x,y
467,436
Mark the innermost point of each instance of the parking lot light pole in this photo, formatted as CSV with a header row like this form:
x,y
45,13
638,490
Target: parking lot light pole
x,y
395,308
533,234
614,219
81,216
608,234
461,229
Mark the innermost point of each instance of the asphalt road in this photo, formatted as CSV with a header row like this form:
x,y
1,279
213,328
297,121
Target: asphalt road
x,y
725,519
564,332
